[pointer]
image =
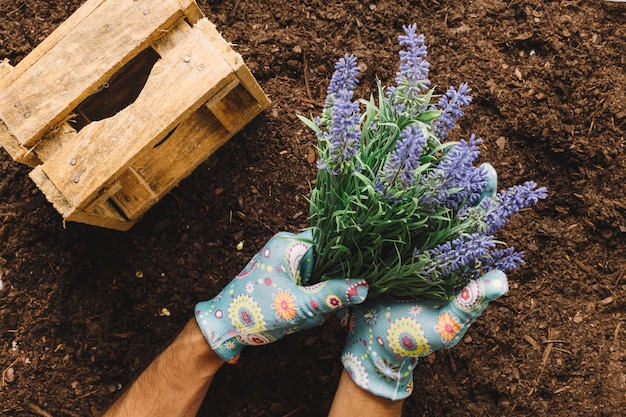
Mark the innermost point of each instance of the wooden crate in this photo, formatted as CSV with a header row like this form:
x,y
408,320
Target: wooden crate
x,y
120,103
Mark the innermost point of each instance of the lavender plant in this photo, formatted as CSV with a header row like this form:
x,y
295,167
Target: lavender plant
x,y
395,203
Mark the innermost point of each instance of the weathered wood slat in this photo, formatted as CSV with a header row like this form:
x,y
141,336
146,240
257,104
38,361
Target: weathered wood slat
x,y
234,60
110,42
13,147
105,149
135,194
8,141
235,109
231,124
104,215
51,192
5,68
53,141
103,196
188,146
191,10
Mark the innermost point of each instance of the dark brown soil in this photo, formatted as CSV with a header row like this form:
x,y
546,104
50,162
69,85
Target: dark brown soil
x,y
79,311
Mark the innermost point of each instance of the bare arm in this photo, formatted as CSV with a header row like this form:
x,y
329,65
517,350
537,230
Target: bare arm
x,y
353,401
175,383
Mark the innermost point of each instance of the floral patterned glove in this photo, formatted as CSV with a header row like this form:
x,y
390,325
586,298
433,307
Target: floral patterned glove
x,y
386,337
266,300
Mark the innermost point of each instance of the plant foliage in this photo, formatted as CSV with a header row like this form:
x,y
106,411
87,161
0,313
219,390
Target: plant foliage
x,y
395,203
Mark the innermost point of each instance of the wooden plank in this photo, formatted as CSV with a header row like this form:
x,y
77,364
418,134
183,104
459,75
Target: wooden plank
x,y
235,109
51,192
104,215
231,123
134,195
102,198
93,51
18,152
53,141
245,101
235,61
7,139
193,141
220,44
104,149
191,10
5,68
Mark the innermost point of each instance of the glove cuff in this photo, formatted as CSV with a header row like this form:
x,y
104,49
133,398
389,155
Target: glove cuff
x,y
393,380
224,344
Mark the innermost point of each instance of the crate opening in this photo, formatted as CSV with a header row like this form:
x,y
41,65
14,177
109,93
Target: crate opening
x,y
118,93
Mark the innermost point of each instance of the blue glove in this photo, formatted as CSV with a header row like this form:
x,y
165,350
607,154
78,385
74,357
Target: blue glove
x,y
492,181
386,336
266,300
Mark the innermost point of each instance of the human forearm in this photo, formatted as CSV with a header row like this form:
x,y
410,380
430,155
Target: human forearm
x,y
175,383
353,401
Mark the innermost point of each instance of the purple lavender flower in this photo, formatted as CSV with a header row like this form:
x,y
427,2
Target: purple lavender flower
x,y
456,181
411,79
450,105
345,76
413,67
399,170
505,204
468,188
461,253
344,135
504,260
460,158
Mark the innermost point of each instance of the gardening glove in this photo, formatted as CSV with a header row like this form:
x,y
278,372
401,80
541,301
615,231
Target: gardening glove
x,y
491,187
267,301
387,336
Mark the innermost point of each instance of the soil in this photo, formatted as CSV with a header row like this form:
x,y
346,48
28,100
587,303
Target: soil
x,y
81,307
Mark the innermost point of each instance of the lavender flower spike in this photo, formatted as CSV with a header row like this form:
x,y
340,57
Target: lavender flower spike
x,y
413,67
399,170
507,203
456,181
504,260
345,76
450,105
344,135
411,80
460,158
452,256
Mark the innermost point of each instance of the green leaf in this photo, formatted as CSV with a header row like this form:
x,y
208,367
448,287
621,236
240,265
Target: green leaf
x,y
428,116
309,123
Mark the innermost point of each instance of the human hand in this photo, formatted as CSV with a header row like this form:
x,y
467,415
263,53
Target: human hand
x,y
267,301
387,336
